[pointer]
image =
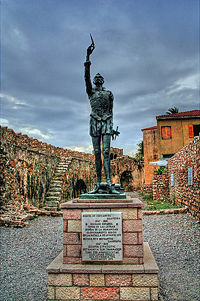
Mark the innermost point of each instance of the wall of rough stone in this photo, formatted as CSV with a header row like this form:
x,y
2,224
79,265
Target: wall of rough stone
x,y
128,172
147,188
180,191
27,166
79,178
161,186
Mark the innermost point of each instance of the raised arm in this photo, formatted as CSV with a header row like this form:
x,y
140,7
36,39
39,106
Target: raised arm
x,y
87,68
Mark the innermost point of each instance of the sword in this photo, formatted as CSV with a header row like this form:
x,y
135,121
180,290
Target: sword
x,y
115,133
93,45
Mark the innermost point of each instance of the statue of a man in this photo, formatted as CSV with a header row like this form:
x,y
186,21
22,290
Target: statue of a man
x,y
101,121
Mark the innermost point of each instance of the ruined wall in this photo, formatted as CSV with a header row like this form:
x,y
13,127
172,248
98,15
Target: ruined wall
x,y
183,186
80,178
127,172
27,166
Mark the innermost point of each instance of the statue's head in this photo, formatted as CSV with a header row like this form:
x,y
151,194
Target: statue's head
x,y
98,80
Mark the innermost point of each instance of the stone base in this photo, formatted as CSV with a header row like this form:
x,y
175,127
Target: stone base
x,y
103,282
103,193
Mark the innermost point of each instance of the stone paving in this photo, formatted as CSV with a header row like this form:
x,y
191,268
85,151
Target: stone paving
x,y
26,252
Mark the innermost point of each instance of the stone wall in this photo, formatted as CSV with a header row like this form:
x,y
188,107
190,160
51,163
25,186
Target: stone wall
x,y
27,166
174,183
79,178
128,172
147,188
160,186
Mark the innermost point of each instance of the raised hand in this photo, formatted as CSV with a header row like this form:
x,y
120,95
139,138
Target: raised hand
x,y
90,48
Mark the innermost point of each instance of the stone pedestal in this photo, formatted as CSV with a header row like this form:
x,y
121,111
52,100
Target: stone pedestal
x,y
76,275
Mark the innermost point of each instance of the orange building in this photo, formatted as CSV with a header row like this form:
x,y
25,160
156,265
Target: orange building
x,y
172,132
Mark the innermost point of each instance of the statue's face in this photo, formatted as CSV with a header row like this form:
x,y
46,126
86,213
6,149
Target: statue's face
x,y
98,80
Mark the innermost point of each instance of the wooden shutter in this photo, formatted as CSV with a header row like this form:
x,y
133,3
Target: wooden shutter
x,y
191,130
166,132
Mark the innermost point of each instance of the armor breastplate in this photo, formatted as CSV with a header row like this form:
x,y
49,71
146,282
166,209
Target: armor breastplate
x,y
100,104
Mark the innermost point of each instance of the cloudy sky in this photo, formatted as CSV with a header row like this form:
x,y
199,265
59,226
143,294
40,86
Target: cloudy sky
x,y
147,51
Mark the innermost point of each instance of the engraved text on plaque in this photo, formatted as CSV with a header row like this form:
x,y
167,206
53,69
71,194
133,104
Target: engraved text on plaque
x,y
101,236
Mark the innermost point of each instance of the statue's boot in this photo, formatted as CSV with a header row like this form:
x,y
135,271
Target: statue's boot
x,y
111,187
98,164
96,189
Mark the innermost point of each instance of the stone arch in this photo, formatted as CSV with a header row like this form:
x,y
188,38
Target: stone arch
x,y
79,187
126,179
115,156
111,156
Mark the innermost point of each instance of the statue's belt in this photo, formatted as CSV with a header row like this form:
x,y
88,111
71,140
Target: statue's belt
x,y
98,118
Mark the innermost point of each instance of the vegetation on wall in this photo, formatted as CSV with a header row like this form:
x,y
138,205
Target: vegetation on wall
x,y
151,204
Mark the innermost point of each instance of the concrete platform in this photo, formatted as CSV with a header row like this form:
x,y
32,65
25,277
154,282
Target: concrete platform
x,y
103,282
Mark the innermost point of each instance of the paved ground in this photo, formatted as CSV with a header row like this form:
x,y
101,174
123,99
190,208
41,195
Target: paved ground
x,y
25,253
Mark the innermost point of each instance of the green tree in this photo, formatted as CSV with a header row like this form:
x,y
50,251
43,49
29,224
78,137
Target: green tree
x,y
140,148
172,110
140,151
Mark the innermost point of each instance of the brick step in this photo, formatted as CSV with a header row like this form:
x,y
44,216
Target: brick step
x,y
52,204
58,173
57,177
53,193
55,189
51,208
56,181
55,184
53,198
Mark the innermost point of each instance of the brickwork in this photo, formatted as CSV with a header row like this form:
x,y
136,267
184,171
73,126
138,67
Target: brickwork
x,y
147,188
98,282
180,191
131,231
105,287
128,172
38,174
28,166
160,185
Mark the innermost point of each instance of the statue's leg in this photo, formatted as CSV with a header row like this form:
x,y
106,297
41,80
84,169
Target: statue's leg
x,y
106,163
96,141
106,157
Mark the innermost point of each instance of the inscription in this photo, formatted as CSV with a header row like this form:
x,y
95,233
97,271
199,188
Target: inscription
x,y
101,236
190,178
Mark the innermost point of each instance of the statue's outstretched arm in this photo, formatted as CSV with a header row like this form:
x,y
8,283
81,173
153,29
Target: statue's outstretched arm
x,y
87,68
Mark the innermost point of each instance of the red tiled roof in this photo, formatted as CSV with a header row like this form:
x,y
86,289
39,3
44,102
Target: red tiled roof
x,y
181,114
151,128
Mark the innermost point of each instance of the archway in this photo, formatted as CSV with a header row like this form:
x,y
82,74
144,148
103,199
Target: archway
x,y
80,187
126,179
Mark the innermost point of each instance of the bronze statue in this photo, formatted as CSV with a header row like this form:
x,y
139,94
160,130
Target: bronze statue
x,y
101,122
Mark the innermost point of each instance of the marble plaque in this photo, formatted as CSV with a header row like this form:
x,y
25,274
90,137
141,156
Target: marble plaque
x,y
101,236
190,178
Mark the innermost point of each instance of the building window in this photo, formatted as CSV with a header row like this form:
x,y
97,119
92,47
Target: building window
x,y
166,132
194,130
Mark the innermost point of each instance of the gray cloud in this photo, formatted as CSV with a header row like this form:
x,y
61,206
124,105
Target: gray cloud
x,y
146,50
